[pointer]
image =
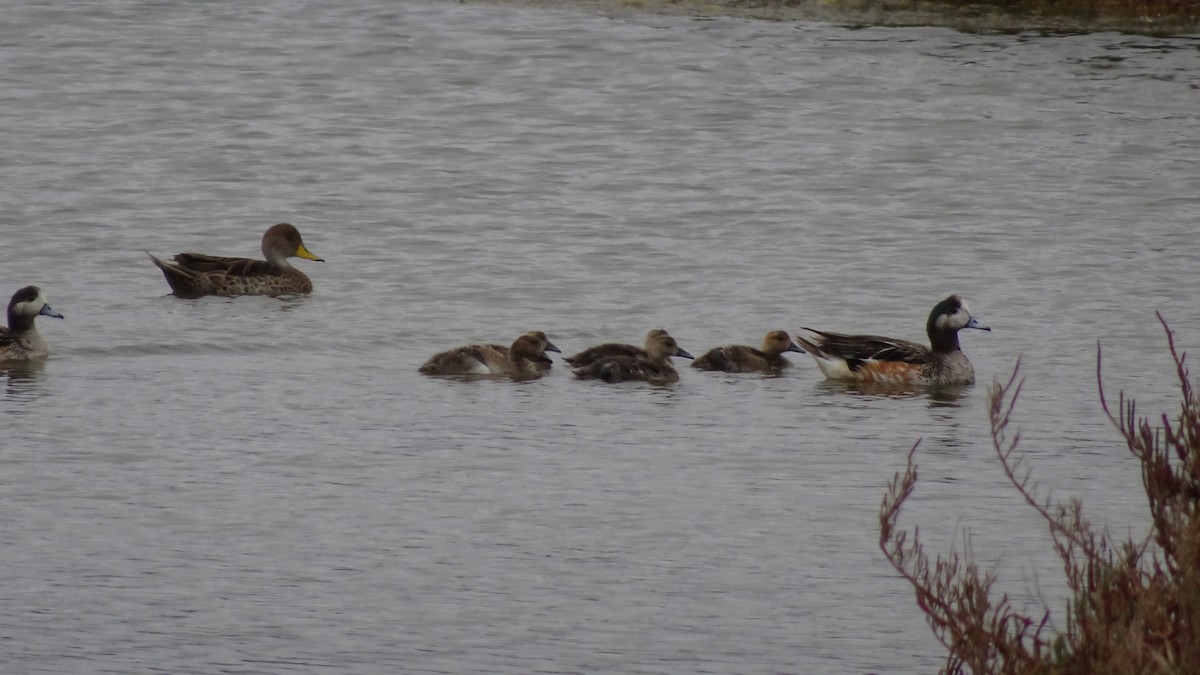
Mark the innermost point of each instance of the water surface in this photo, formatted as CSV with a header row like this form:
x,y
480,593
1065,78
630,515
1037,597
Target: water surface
x,y
262,485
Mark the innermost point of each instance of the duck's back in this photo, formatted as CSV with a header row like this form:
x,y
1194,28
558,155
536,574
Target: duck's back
x,y
866,347
609,350
207,264
740,359
465,360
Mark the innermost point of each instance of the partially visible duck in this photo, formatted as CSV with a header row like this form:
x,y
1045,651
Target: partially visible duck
x,y
593,354
655,367
882,360
21,340
524,359
743,359
193,275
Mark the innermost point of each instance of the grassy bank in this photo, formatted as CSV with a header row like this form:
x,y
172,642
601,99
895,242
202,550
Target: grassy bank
x,y
1147,17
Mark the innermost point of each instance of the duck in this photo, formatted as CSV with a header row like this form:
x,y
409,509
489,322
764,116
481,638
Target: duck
x,y
653,367
593,354
744,359
194,275
525,358
20,341
890,361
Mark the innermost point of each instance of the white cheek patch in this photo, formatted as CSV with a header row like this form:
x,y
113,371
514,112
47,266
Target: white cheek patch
x,y
954,321
29,307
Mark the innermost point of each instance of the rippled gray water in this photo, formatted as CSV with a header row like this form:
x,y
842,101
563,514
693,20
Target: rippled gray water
x,y
257,485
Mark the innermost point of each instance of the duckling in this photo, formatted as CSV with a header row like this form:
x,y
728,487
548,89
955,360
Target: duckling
x,y
655,367
882,360
524,359
743,359
593,354
193,275
21,340
543,361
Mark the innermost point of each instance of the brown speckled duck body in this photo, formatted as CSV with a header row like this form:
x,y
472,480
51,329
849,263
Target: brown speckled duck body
x,y
525,358
745,359
880,360
653,367
20,341
193,275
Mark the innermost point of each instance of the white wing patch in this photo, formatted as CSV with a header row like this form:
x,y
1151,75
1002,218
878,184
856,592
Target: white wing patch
x,y
479,368
834,367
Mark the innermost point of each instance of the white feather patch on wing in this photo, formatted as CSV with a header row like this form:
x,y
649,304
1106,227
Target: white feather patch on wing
x,y
833,367
479,368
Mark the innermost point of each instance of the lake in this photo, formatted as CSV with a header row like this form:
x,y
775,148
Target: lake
x,y
259,485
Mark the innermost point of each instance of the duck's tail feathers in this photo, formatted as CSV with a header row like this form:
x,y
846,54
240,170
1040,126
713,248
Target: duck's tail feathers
x,y
179,278
170,269
809,346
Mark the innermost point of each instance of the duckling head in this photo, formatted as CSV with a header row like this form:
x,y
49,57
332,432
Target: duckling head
x,y
664,347
547,345
778,342
652,336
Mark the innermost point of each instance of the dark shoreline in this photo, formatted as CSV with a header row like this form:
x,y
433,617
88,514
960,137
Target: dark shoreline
x,y
973,18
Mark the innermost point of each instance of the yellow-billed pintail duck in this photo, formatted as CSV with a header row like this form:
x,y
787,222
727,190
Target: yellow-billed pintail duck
x,y
882,360
609,349
524,359
743,359
654,366
21,340
193,275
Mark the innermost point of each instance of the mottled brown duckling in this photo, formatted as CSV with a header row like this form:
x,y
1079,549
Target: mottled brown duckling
x,y
890,361
593,354
524,359
193,275
655,367
21,340
743,359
